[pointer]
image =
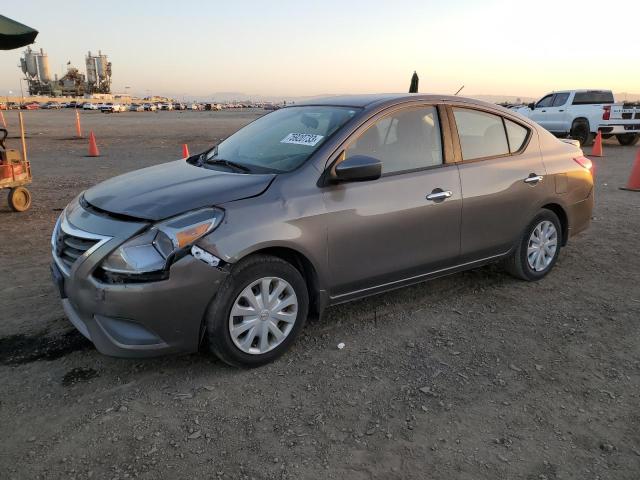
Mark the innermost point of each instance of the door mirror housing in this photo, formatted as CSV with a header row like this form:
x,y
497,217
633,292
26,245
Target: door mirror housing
x,y
532,106
359,168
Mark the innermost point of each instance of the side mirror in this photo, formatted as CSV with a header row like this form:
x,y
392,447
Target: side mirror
x,y
532,106
359,168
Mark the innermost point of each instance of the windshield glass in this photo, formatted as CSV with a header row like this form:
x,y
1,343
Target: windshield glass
x,y
280,141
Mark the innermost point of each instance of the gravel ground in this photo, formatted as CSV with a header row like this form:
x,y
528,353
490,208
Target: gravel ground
x,y
473,376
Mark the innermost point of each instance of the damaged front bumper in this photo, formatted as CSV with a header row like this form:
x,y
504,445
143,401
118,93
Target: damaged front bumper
x,y
129,319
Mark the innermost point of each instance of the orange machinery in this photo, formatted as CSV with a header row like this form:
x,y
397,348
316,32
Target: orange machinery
x,y
15,173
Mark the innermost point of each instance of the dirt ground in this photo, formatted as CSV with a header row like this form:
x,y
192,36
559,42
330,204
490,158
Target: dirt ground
x,y
474,376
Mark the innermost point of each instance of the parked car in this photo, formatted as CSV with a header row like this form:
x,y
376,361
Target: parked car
x,y
3,106
112,108
166,106
89,106
51,106
134,107
30,106
310,206
150,107
581,114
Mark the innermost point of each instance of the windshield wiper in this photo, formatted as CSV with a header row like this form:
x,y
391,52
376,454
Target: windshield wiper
x,y
228,163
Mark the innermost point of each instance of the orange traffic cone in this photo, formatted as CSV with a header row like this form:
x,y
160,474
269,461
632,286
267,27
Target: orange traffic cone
x,y
634,179
78,129
93,147
597,146
185,151
4,122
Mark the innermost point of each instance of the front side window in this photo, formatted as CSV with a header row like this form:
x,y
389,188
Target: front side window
x,y
406,140
560,99
280,141
545,101
481,134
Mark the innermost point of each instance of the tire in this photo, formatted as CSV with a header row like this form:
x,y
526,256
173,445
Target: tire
x,y
628,139
518,263
19,199
233,293
581,131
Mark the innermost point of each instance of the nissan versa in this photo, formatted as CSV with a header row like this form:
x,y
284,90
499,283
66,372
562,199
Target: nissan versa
x,y
310,206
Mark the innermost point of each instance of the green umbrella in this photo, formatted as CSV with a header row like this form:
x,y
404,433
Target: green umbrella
x,y
413,88
14,34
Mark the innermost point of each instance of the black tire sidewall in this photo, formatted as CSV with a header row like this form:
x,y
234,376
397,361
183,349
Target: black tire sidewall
x,y
581,132
522,257
628,139
217,317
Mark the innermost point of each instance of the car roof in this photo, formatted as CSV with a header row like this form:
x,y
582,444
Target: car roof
x,y
368,101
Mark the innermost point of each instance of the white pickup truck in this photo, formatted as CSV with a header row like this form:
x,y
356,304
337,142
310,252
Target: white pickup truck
x,y
580,114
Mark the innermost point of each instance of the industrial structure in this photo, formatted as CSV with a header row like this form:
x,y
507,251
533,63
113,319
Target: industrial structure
x,y
35,66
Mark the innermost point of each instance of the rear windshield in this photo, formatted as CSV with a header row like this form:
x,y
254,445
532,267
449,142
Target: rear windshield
x,y
587,98
283,140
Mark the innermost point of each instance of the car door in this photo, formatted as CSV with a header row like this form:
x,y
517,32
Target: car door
x,y
540,111
556,115
403,224
502,178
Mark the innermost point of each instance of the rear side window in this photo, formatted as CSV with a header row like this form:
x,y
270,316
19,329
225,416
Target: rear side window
x,y
517,135
560,99
481,134
587,98
406,140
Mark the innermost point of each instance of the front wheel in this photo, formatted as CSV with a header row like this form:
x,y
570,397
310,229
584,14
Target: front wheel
x,y
19,199
628,139
258,311
538,248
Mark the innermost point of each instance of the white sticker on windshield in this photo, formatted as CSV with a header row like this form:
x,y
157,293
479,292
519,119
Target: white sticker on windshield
x,y
308,139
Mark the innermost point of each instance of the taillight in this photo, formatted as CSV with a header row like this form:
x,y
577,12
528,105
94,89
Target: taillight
x,y
606,113
585,163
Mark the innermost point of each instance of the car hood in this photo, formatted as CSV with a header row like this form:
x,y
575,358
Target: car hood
x,y
165,190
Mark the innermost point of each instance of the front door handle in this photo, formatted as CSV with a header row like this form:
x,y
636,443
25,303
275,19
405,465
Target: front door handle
x,y
438,195
533,179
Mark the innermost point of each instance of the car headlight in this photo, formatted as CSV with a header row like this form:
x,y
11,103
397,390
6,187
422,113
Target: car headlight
x,y
151,250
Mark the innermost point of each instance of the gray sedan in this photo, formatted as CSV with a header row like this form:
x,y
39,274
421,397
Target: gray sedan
x,y
310,206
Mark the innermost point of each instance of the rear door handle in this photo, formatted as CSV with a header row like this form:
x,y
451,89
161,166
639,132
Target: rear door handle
x,y
533,178
438,195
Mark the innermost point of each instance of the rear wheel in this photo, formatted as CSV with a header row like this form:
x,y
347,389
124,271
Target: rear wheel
x,y
538,248
580,131
19,199
628,139
258,312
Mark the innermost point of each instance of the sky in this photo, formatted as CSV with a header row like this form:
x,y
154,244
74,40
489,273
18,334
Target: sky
x,y
303,48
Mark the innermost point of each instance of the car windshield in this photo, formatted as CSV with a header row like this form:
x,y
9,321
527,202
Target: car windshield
x,y
280,141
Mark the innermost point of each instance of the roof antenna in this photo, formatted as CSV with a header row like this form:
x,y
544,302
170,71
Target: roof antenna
x,y
459,90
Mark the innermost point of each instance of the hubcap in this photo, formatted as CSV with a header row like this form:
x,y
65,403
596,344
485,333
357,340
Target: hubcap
x,y
263,315
542,246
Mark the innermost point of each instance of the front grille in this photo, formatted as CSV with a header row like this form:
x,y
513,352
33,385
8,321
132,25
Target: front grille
x,y
627,116
68,248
